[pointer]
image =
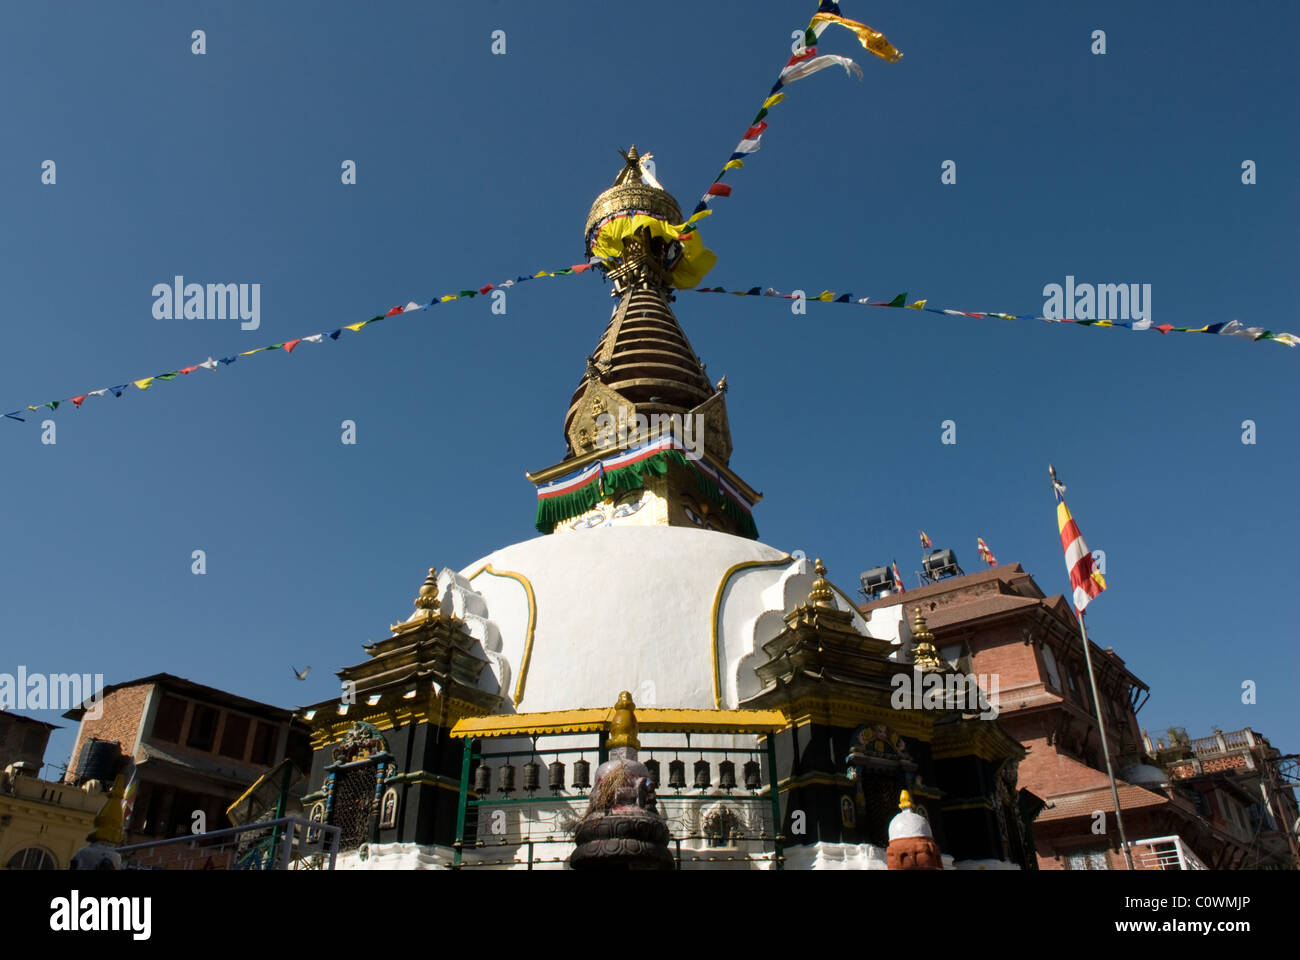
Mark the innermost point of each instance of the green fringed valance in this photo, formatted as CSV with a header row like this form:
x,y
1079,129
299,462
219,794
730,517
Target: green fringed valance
x,y
727,504
555,510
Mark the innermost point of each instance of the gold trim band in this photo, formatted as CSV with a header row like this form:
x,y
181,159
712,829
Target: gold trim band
x,y
532,621
713,618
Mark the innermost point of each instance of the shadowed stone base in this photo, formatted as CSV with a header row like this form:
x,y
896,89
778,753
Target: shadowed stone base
x,y
625,838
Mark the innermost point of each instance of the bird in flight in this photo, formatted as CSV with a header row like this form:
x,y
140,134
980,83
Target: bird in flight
x,y
301,674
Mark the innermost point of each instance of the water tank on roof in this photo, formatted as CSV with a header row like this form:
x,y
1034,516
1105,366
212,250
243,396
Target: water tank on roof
x,y
940,563
877,581
98,761
1144,774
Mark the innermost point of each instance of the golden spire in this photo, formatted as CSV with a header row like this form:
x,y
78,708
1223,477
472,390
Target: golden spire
x,y
820,595
904,801
925,655
428,596
632,172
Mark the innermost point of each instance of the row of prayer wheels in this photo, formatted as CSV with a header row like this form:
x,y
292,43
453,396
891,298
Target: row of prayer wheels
x,y
555,776
532,777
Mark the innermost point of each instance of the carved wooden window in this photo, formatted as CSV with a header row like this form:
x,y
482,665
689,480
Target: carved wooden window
x,y
352,803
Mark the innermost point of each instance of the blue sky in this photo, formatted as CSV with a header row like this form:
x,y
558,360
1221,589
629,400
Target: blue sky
x,y
474,168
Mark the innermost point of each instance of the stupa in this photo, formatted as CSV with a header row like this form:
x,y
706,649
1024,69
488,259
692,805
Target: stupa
x,y
647,577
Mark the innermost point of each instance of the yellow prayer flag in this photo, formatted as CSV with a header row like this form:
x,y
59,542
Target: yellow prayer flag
x,y
919,305
825,296
144,384
773,100
734,165
355,327
872,40
450,296
542,273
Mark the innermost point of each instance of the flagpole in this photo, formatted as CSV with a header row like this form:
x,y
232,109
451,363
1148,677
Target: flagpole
x,y
1059,489
1105,744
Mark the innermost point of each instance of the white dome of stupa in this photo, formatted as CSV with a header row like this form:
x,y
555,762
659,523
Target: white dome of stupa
x,y
568,620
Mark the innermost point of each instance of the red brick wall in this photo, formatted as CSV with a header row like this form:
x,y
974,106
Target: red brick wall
x,y
1050,774
119,721
1002,650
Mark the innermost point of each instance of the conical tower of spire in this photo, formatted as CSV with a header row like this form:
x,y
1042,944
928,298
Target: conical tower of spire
x,y
644,416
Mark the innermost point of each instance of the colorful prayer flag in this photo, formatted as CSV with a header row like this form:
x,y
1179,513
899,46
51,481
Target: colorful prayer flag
x,y
985,553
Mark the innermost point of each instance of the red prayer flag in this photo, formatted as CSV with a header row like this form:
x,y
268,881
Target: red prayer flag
x,y
76,401
485,289
188,369
393,311
719,190
807,52
290,344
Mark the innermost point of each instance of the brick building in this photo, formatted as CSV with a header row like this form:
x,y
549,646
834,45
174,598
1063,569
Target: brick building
x,y
999,623
190,747
1242,785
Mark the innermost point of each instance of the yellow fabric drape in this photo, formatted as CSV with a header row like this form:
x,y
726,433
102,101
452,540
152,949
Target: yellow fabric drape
x,y
697,259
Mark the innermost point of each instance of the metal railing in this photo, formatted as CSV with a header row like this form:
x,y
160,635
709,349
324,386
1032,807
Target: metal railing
x,y
288,843
1167,853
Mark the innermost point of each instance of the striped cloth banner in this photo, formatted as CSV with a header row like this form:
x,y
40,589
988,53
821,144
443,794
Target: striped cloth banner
x,y
1084,578
985,553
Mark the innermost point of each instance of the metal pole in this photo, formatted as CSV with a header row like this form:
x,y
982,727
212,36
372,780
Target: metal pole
x,y
280,803
772,778
287,852
462,802
1105,744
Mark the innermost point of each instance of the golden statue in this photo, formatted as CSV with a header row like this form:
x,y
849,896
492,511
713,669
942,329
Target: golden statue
x,y
622,731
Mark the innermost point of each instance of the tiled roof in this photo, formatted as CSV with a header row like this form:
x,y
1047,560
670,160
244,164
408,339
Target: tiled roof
x,y
199,691
976,609
1098,798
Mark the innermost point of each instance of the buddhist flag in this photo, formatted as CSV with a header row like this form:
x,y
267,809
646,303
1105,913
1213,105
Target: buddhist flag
x,y
985,553
1085,580
925,541
898,578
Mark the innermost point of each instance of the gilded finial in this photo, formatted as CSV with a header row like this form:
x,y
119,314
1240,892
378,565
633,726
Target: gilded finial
x,y
925,655
622,730
631,173
820,595
428,596
904,801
